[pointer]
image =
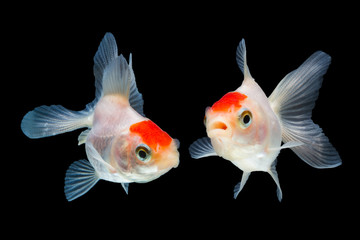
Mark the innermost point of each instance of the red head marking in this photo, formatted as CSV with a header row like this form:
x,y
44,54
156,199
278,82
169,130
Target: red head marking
x,y
151,134
228,100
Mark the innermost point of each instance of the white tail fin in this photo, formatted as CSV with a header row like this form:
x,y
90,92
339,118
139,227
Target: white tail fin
x,y
45,121
293,100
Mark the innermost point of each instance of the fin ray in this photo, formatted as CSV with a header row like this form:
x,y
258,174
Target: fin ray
x,y
202,148
126,187
238,187
45,121
105,54
293,100
80,178
135,99
274,175
241,59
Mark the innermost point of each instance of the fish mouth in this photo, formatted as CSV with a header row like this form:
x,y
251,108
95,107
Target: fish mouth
x,y
218,129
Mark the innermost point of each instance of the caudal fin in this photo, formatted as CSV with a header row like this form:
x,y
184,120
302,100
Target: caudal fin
x,y
293,100
45,121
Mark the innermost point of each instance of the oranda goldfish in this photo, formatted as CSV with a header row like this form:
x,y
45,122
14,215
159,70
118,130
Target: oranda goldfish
x,y
247,128
122,145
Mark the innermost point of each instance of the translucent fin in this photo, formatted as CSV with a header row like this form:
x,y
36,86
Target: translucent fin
x,y
126,187
202,148
117,77
293,100
79,179
274,175
104,58
241,59
177,143
136,101
238,187
83,135
95,158
289,144
104,170
105,54
45,121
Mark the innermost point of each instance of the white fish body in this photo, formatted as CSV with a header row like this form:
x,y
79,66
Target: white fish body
x,y
247,128
122,145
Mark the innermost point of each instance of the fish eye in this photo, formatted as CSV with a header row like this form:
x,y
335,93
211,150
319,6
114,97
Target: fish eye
x,y
143,153
245,118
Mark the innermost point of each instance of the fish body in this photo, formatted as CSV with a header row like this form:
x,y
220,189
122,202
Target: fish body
x,y
121,144
248,128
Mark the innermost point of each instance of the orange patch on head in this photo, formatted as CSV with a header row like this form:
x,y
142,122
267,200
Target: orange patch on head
x,y
151,134
227,101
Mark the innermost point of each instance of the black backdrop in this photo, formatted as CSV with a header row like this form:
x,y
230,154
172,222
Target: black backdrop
x,y
182,67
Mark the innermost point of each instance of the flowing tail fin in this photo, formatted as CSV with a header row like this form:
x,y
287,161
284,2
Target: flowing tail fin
x,y
45,121
293,100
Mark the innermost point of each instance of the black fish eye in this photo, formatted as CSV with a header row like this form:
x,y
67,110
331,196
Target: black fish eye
x,y
245,118
143,152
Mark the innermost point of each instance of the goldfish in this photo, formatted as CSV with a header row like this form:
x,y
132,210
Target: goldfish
x,y
121,144
250,129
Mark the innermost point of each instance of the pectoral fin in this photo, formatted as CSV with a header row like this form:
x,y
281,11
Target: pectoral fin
x,y
202,148
79,179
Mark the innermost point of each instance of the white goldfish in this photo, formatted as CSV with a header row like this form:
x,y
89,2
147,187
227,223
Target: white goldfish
x,y
247,128
121,144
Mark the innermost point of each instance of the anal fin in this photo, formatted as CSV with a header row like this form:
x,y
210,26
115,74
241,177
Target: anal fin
x,y
238,187
126,187
274,175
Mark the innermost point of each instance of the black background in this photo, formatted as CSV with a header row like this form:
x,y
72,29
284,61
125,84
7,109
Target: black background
x,y
183,63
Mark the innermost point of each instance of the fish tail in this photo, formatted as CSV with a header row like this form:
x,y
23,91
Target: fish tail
x,y
45,121
293,100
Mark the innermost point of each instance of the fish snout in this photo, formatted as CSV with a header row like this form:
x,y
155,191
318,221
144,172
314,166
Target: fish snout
x,y
218,128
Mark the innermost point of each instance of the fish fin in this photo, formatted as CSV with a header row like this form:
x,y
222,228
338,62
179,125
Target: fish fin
x,y
117,78
126,187
80,178
113,75
274,175
293,100
202,148
135,99
103,168
45,121
105,55
289,144
99,163
83,135
238,187
241,59
177,143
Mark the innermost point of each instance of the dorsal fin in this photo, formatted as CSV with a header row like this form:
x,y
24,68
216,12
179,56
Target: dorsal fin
x,y
105,54
113,75
241,59
117,77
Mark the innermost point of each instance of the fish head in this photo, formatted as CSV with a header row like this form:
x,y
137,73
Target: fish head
x,y
147,153
236,125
